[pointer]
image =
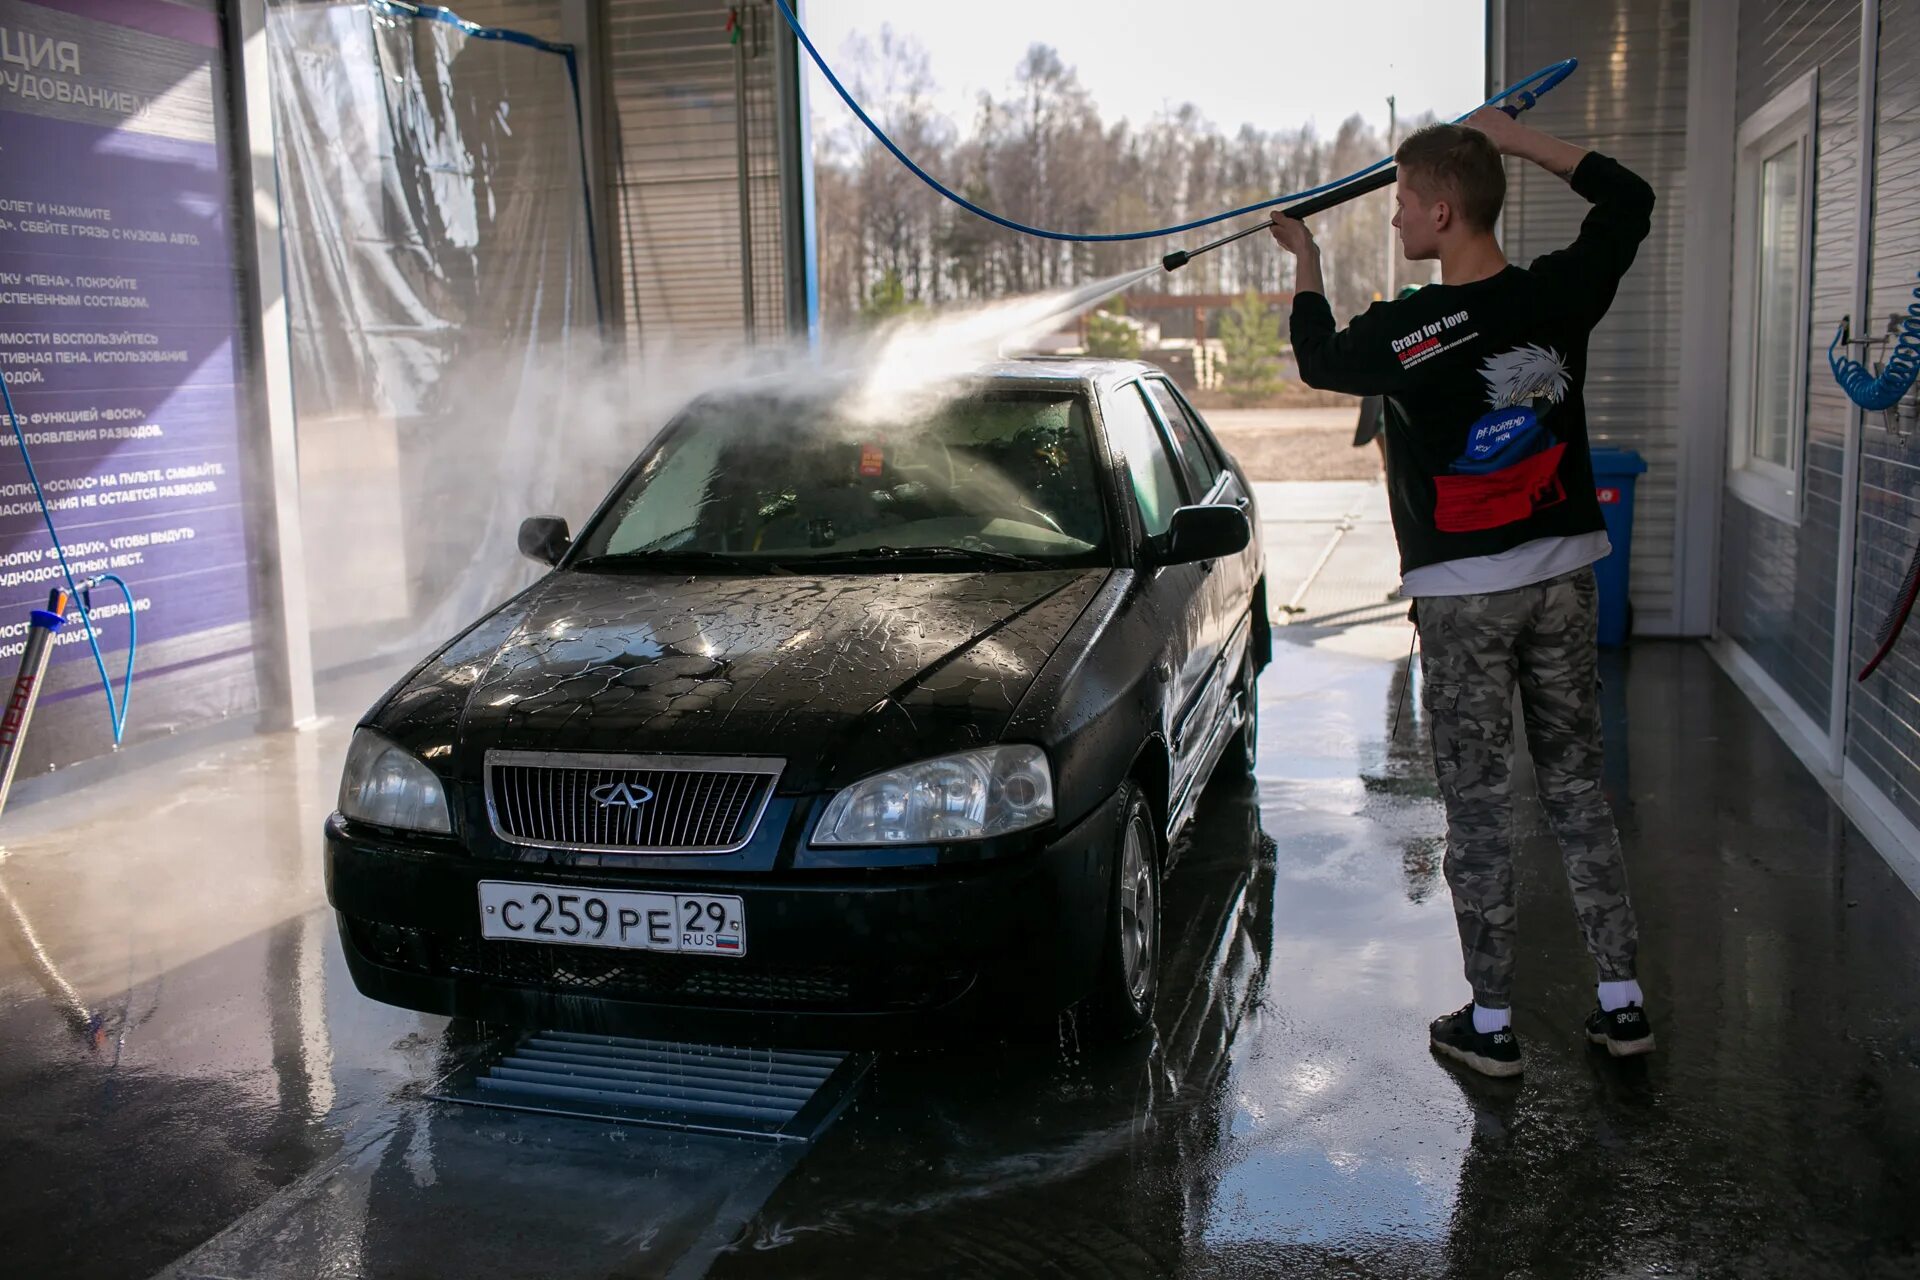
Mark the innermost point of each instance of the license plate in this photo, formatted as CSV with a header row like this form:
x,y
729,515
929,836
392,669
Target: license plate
x,y
700,923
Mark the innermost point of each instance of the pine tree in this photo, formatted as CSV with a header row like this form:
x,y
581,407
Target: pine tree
x,y
1109,335
1250,333
886,299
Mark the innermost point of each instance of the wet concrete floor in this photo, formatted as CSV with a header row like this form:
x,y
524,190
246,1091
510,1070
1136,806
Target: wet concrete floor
x,y
191,1085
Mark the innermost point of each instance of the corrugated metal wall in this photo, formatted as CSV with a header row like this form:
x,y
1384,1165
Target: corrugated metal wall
x,y
1777,579
1629,99
532,17
676,122
1883,722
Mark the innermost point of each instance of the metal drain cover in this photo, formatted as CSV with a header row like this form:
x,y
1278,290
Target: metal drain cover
x,y
771,1094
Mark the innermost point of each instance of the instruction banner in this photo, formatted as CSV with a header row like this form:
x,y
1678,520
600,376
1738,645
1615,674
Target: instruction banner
x,y
120,321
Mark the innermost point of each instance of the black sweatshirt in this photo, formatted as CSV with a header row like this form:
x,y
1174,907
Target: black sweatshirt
x,y
1486,425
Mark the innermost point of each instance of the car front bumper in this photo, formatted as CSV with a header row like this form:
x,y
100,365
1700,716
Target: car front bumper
x,y
832,956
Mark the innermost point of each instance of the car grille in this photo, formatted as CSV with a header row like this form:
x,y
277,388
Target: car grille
x,y
654,978
656,804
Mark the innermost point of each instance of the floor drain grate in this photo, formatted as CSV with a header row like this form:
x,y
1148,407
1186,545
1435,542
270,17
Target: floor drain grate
x,y
772,1094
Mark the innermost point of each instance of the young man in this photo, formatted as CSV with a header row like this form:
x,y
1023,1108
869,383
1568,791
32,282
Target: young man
x,y
1492,494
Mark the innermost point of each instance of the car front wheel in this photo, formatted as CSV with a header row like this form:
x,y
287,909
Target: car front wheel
x,y
1121,1005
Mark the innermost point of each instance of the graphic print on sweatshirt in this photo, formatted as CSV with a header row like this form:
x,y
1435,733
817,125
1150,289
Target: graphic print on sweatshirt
x,y
1510,468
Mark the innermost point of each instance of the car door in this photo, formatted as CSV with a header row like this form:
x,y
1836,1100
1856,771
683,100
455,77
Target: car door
x,y
1249,568
1177,595
1212,476
1229,584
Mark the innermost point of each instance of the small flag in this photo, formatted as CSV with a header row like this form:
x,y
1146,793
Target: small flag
x,y
733,26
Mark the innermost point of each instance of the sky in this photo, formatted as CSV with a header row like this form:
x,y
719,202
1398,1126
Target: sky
x,y
1276,64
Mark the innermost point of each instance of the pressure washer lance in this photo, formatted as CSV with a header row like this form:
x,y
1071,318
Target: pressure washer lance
x,y
26,685
1338,196
1306,208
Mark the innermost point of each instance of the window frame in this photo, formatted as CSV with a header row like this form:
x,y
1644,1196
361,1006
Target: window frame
x,y
1791,116
1207,461
1221,458
1123,464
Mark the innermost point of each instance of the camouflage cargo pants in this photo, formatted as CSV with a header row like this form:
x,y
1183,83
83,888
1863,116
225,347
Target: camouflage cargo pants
x,y
1474,651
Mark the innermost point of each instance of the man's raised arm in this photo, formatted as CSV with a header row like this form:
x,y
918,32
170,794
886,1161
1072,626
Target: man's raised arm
x,y
1589,269
1358,359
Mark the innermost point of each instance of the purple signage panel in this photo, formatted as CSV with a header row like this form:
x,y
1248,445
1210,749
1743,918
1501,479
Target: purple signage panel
x,y
120,319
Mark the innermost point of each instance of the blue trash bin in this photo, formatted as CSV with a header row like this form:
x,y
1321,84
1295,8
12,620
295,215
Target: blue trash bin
x,y
1614,473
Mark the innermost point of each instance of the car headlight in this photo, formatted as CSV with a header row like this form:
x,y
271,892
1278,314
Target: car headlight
x,y
969,796
386,786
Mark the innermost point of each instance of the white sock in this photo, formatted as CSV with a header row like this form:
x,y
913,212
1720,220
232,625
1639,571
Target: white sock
x,y
1487,1021
1618,995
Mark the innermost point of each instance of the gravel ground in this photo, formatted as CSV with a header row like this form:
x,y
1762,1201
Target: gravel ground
x,y
1295,444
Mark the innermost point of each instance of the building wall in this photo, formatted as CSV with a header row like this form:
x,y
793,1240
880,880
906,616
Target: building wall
x,y
1628,99
1780,586
1777,578
1801,599
1883,720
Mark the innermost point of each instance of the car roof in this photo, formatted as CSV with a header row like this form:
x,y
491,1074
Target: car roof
x,y
1083,373
1096,371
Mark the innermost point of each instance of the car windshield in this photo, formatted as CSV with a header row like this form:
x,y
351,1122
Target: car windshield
x,y
994,480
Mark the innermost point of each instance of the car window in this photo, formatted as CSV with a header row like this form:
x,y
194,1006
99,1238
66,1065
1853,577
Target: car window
x,y
677,480
1195,457
754,477
1131,429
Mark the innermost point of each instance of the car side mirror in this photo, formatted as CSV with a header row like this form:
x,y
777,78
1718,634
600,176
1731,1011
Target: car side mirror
x,y
1208,532
544,538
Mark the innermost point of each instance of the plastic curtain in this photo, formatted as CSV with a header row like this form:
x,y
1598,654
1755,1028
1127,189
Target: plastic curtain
x,y
441,298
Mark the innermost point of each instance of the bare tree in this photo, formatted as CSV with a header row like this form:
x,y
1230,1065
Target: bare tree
x,y
1040,153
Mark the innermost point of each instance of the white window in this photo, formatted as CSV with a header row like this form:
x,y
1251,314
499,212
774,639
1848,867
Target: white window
x,y
1772,245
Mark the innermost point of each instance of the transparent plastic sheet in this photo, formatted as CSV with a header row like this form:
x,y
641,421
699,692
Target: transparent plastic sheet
x,y
441,298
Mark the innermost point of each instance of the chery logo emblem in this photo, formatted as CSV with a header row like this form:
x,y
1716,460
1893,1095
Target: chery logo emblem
x,y
622,794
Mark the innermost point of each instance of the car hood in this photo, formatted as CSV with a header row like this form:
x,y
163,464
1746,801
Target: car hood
x,y
790,666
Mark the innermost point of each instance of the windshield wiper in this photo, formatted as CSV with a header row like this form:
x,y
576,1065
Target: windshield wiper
x,y
675,560
978,555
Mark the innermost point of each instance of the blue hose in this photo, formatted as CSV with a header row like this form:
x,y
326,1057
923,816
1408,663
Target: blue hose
x,y
116,706
1526,91
1895,380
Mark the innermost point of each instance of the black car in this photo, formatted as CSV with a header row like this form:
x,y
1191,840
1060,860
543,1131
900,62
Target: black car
x,y
837,714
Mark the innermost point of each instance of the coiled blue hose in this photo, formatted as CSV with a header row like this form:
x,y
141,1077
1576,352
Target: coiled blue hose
x,y
116,706
1895,380
1526,91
